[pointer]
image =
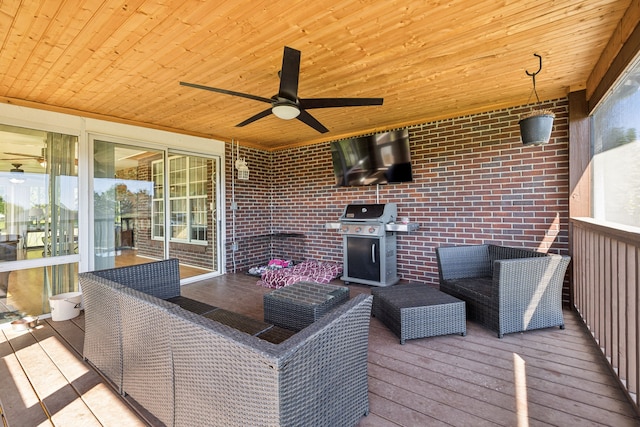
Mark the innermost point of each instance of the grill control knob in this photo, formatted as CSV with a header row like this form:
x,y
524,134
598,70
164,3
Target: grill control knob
x,y
372,230
345,228
358,229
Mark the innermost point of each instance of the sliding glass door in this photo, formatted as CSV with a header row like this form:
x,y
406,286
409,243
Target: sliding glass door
x,y
38,219
133,188
191,199
122,205
79,194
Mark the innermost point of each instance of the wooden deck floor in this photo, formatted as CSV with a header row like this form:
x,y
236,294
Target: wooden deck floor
x,y
548,377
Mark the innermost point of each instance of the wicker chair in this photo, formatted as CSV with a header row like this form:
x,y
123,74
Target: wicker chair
x,y
505,289
187,369
160,278
102,327
135,358
121,344
318,377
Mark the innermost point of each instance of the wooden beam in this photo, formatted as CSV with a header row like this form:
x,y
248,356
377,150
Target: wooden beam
x,y
579,156
579,170
622,48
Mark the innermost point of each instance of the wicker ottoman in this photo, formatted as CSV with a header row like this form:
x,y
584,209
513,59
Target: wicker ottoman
x,y
297,306
417,310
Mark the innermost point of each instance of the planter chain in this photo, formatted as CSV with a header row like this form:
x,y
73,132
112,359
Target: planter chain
x,y
533,77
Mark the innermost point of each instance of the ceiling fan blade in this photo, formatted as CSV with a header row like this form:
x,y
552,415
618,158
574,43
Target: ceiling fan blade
x,y
309,120
228,92
289,74
252,119
32,156
339,102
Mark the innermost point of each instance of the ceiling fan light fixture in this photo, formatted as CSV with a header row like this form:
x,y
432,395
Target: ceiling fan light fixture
x,y
16,174
285,110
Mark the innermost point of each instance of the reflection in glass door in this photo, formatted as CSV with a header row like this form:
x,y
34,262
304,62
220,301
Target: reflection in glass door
x,y
192,199
133,188
38,219
122,205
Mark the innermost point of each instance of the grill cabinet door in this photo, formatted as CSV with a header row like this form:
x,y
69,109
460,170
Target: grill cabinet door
x,y
363,258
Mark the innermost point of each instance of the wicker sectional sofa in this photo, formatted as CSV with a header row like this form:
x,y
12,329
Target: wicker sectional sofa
x,y
187,369
505,289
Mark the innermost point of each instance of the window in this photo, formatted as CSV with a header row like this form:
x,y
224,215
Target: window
x,y
616,152
187,199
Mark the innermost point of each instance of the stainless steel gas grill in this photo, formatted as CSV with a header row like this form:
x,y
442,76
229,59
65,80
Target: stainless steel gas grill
x,y
369,247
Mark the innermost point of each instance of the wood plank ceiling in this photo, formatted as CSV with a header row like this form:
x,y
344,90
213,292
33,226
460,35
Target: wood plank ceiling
x,y
428,59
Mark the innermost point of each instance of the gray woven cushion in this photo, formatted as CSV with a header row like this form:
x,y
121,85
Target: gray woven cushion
x,y
477,287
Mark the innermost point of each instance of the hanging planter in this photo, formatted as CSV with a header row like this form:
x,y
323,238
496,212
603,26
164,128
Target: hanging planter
x,y
536,126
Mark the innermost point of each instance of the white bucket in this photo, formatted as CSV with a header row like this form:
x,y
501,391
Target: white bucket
x,y
65,306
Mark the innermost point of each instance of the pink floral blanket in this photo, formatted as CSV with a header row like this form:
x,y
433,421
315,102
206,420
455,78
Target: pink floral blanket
x,y
307,271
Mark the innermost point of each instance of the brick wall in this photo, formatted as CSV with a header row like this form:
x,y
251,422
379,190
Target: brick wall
x,y
474,182
253,213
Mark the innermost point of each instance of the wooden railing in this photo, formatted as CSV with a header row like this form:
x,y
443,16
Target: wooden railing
x,y
606,293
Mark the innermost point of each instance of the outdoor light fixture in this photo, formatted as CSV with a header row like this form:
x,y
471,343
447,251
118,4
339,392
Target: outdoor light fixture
x,y
285,110
243,169
241,164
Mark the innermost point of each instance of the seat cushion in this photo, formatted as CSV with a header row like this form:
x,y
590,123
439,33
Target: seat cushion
x,y
192,305
476,287
476,292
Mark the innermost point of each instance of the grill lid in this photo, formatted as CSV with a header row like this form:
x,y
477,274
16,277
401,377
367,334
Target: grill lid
x,y
382,213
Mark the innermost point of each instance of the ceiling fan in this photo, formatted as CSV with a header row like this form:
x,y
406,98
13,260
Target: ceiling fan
x,y
286,104
22,156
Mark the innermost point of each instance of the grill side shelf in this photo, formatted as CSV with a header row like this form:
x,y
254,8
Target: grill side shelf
x,y
412,226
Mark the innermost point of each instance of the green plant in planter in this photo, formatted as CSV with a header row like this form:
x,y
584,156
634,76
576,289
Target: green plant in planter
x,y
535,127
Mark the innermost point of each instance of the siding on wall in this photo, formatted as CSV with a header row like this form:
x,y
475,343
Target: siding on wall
x,y
474,182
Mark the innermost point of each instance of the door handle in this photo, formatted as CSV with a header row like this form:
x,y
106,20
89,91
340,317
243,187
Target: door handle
x,y
373,253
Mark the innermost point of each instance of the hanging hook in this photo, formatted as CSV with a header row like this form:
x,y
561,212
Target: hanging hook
x,y
533,76
539,67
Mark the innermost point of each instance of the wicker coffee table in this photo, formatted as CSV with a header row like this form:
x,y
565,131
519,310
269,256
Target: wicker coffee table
x,y
417,310
297,306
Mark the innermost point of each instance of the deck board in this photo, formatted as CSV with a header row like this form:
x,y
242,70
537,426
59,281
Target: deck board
x,y
105,405
439,381
60,401
20,404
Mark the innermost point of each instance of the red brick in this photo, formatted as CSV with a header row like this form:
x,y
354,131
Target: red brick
x,y
474,182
